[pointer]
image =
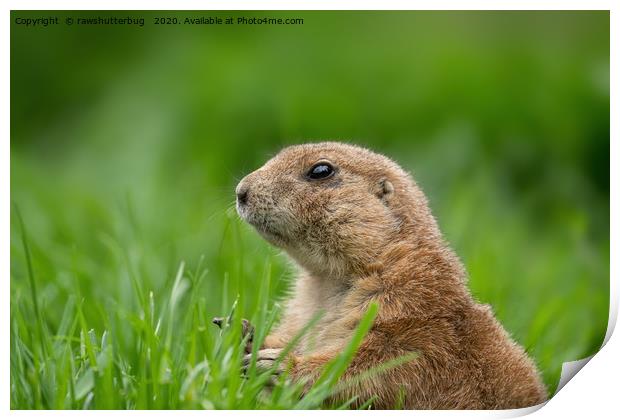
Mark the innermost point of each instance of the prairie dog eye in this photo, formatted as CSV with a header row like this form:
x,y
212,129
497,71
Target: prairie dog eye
x,y
320,170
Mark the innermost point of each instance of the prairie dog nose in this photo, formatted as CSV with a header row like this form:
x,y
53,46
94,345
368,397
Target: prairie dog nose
x,y
242,194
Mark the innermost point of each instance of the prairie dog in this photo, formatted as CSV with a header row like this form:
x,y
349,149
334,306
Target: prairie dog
x,y
360,230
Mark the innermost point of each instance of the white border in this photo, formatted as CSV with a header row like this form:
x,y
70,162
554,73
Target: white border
x,y
593,393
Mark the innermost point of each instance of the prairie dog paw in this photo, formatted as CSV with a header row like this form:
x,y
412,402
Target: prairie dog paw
x,y
267,360
247,330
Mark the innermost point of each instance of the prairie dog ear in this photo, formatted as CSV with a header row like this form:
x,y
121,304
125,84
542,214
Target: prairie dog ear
x,y
385,190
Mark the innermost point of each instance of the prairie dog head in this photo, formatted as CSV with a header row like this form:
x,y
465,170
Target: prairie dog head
x,y
332,207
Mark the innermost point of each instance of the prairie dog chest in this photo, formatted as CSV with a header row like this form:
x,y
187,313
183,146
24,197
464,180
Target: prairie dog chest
x,y
313,297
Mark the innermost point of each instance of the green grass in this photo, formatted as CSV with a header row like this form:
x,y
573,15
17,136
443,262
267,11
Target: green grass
x,y
163,352
127,145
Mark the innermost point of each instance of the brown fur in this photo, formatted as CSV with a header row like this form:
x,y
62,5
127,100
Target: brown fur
x,y
366,234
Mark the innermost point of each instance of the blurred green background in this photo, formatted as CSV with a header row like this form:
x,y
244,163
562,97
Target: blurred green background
x,y
127,142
